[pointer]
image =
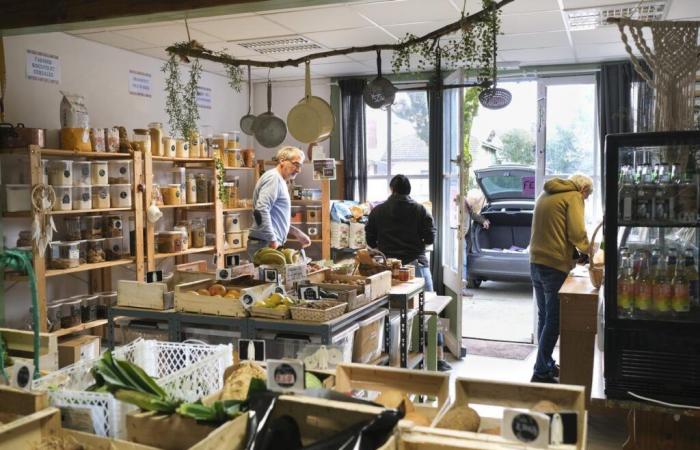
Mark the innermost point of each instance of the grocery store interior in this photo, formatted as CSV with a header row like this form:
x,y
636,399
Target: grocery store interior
x,y
371,224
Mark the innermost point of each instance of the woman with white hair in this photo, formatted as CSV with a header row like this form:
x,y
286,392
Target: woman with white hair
x,y
558,230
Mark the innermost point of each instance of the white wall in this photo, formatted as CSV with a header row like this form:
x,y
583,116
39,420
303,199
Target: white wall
x,y
100,73
286,94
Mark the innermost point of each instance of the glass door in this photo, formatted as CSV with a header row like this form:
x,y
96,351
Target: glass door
x,y
453,183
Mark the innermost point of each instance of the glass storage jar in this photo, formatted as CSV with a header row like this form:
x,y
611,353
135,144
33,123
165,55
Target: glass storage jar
x,y
96,250
155,130
91,227
72,227
64,255
82,198
182,149
199,233
88,307
191,186
106,300
169,242
99,173
169,147
64,198
183,227
113,226
313,214
61,173
141,141
114,248
119,171
81,173
202,188
53,314
171,194
71,314
100,197
120,195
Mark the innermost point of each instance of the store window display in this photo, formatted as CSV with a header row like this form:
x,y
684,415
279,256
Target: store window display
x,y
401,228
558,230
272,205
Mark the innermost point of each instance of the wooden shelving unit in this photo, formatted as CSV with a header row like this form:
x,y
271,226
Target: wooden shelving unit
x,y
100,273
231,251
189,251
188,206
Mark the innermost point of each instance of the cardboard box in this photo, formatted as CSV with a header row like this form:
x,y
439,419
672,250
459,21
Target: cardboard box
x,y
76,348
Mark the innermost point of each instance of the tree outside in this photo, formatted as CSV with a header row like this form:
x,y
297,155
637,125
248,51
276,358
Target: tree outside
x,y
518,147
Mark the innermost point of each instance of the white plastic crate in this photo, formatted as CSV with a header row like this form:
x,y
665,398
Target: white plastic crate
x,y
185,371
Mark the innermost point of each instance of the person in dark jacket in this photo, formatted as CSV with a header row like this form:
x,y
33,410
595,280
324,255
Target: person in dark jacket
x,y
401,228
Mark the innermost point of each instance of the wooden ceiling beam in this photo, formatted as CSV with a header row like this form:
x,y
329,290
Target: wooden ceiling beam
x,y
42,16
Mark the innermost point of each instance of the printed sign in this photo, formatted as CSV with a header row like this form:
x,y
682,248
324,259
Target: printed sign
x,y
204,97
285,375
43,67
528,186
324,169
139,83
295,273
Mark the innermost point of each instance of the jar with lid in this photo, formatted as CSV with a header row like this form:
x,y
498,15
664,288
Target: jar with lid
x,y
191,186
61,173
96,250
142,141
221,143
233,194
120,195
249,157
169,147
100,197
119,171
81,173
195,146
199,233
202,188
113,227
88,307
64,255
72,228
99,173
114,248
71,314
82,198
91,227
183,226
64,198
182,148
171,194
313,214
53,315
155,130
169,242
106,300
82,250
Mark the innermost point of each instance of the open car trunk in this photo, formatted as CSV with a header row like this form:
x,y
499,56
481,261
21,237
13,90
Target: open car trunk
x,y
500,253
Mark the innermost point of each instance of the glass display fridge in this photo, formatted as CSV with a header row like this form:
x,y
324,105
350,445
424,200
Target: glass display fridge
x,y
652,298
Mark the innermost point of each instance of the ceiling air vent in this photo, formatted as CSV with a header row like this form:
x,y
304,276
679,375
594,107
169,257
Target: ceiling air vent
x,y
591,18
281,44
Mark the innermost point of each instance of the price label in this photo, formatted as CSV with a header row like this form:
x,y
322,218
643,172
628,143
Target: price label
x,y
295,273
285,375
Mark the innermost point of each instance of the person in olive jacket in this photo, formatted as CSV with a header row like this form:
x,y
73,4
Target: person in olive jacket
x,y
558,228
401,228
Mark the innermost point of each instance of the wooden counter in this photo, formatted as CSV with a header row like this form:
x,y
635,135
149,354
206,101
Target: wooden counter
x,y
578,301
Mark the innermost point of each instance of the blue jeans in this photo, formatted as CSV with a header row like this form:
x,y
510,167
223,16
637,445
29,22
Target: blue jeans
x,y
547,282
424,272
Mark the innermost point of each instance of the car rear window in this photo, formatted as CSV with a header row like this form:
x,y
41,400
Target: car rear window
x,y
512,186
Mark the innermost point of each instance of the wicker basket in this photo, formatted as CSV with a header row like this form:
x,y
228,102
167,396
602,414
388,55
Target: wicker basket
x,y
596,272
319,315
269,313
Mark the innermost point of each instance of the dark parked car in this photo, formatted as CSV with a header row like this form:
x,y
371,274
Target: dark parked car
x,y
501,252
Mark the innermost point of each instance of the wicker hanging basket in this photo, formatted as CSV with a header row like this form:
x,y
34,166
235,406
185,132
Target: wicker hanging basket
x,y
596,272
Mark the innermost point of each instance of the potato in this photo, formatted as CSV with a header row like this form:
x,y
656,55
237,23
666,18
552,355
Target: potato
x,y
461,418
203,291
217,289
545,406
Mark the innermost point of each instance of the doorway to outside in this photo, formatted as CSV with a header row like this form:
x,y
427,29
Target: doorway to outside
x,y
561,142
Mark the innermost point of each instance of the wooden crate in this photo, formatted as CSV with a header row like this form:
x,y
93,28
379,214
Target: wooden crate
x,y
350,377
373,286
20,346
489,397
188,301
73,349
139,294
347,293
422,438
176,432
16,403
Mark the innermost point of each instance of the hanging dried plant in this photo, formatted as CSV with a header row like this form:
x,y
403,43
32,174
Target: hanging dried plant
x,y
181,99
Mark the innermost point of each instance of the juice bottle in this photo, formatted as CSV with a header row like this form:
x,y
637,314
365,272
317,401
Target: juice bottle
x,y
625,288
680,300
661,289
643,295
691,273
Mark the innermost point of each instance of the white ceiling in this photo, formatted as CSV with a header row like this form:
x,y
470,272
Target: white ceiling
x,y
534,32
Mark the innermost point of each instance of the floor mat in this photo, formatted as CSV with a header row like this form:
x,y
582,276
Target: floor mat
x,y
498,349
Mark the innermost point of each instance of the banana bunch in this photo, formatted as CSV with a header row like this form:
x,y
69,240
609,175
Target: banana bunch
x,y
130,384
269,256
291,255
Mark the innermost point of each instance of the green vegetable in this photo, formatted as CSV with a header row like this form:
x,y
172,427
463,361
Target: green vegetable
x,y
219,411
312,381
147,402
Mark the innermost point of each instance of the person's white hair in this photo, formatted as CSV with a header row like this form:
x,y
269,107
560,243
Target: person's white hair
x,y
286,153
583,182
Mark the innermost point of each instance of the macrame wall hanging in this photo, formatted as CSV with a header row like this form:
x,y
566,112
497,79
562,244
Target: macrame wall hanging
x,y
673,62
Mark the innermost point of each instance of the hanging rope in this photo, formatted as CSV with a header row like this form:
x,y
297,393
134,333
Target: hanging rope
x,y
21,261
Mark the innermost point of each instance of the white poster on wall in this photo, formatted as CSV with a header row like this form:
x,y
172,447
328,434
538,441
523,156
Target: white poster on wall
x,y
43,67
204,97
139,83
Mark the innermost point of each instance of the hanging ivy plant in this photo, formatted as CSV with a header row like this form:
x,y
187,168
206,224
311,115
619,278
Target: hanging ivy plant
x,y
235,76
220,174
470,48
181,99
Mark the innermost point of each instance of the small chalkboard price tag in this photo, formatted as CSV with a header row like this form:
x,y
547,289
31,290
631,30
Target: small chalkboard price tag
x,y
233,260
285,375
308,292
251,350
269,275
531,428
154,277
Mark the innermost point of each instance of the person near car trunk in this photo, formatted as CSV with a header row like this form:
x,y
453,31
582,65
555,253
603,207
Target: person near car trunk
x,y
558,230
476,217
401,228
